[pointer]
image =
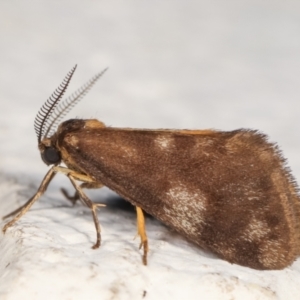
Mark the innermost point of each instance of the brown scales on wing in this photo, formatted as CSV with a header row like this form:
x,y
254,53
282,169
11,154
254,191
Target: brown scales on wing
x,y
228,192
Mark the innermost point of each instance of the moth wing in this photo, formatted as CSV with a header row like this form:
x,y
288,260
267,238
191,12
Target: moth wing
x,y
215,188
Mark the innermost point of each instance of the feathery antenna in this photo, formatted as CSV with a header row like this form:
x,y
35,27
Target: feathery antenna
x,y
64,107
41,120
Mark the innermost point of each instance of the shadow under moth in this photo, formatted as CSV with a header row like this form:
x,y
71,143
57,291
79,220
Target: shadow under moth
x,y
230,193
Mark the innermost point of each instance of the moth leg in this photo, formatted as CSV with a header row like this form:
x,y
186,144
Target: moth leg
x,y
90,204
142,233
88,182
74,174
84,185
73,199
24,208
55,170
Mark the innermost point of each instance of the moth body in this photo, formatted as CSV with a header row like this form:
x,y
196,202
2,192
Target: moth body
x,y
228,192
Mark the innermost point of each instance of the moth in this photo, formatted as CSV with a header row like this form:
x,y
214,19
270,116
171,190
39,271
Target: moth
x,y
230,193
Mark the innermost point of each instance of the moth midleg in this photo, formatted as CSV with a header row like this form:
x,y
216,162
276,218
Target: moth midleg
x,y
84,185
90,204
75,175
88,182
142,233
24,208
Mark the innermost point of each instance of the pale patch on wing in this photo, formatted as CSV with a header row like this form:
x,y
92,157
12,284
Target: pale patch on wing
x,y
182,195
203,145
235,143
265,156
256,230
271,253
225,250
127,152
186,207
72,140
163,142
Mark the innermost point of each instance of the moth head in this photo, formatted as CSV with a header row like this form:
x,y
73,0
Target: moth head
x,y
51,114
49,152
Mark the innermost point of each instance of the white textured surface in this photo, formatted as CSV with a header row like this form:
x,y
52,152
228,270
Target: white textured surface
x,y
173,64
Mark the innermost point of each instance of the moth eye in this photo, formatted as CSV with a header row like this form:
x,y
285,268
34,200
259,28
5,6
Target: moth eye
x,y
51,156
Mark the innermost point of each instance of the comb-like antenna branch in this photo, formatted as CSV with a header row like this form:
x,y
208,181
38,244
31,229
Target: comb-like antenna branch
x,y
46,110
67,104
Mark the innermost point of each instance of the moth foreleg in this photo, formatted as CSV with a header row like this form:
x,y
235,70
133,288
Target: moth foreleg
x,y
142,233
24,208
84,185
75,175
90,204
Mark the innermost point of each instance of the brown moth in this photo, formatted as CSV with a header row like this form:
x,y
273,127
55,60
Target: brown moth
x,y
228,192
